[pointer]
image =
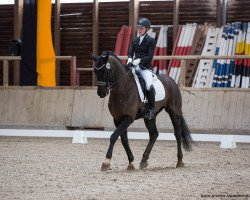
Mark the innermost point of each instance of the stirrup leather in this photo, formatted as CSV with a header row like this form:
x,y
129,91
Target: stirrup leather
x,y
150,114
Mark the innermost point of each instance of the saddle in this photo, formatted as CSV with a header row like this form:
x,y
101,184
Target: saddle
x,y
141,86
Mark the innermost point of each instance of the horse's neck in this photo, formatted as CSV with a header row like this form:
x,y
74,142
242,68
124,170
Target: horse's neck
x,y
118,69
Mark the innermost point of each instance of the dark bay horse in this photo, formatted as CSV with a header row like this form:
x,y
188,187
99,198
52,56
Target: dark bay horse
x,y
125,106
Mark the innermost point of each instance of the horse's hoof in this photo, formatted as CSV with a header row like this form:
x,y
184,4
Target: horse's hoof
x,y
179,164
105,166
143,165
131,167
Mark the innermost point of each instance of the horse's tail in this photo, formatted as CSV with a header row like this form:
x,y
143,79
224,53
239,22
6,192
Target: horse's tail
x,y
186,136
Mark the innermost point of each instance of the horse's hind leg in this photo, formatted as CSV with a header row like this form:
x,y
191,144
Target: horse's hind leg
x,y
176,120
120,129
153,134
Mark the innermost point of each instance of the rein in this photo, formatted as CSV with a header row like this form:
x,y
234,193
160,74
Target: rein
x,y
115,83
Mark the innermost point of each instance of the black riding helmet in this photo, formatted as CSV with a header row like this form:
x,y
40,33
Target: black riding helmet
x,y
143,22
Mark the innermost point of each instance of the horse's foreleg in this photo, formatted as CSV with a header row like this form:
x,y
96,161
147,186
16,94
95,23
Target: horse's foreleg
x,y
153,134
121,128
176,120
125,143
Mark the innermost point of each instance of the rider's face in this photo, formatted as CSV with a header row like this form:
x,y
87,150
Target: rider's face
x,y
141,30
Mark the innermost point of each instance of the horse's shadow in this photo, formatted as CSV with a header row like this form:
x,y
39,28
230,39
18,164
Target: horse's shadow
x,y
150,169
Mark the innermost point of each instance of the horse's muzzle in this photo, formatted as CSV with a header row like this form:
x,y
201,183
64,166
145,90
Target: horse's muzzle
x,y
102,95
102,92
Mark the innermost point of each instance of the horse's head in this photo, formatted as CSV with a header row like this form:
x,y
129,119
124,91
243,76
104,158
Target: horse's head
x,y
103,73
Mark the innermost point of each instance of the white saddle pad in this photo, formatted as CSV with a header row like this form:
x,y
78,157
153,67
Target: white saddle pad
x,y
158,86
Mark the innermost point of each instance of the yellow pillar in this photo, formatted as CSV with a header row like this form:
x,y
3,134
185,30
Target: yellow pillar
x,y
45,50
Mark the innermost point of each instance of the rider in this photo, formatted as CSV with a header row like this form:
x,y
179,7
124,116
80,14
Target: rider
x,y
140,54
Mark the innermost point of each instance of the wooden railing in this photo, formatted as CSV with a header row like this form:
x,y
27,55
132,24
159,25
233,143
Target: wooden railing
x,y
190,57
74,76
194,57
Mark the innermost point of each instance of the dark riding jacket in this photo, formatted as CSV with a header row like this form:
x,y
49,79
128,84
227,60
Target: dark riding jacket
x,y
144,51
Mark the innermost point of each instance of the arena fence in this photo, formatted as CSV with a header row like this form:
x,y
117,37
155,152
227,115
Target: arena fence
x,y
73,73
210,110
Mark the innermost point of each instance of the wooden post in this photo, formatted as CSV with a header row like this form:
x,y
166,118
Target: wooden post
x,y
95,34
5,72
175,19
218,13
133,15
224,12
73,72
57,37
18,18
183,73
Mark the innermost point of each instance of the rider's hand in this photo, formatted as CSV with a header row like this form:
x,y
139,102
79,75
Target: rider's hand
x,y
129,64
129,61
136,61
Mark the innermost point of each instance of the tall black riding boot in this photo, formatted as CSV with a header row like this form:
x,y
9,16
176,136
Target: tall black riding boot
x,y
151,103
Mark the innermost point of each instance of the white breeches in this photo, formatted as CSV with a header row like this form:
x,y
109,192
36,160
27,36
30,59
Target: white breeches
x,y
147,76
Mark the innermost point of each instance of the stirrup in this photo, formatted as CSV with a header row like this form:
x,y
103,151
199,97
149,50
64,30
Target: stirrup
x,y
150,114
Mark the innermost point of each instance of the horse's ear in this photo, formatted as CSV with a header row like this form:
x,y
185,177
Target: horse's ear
x,y
94,57
105,55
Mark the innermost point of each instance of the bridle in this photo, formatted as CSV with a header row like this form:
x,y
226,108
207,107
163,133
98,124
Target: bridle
x,y
109,83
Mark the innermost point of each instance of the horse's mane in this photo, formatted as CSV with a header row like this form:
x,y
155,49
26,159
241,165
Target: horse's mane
x,y
114,55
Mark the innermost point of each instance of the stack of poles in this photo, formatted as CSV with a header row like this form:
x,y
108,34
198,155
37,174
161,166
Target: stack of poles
x,y
235,40
247,52
215,62
160,66
222,66
174,52
239,43
183,47
123,41
119,40
246,62
228,66
238,64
